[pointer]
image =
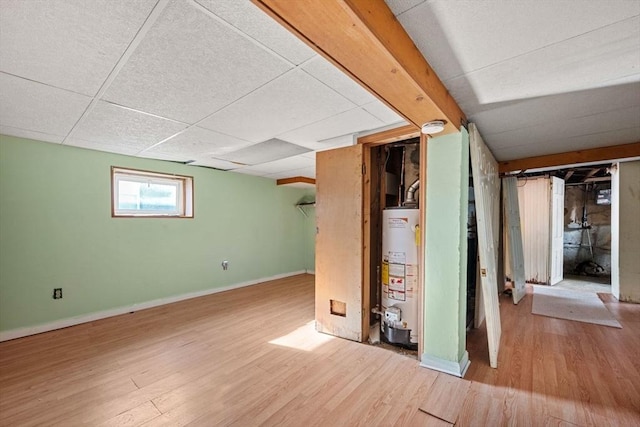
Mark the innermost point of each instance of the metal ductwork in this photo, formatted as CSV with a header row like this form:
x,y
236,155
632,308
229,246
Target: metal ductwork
x,y
410,199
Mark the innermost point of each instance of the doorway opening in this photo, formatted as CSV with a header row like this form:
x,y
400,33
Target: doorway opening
x,y
584,224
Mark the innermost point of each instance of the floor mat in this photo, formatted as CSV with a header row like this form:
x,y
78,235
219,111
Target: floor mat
x,y
571,305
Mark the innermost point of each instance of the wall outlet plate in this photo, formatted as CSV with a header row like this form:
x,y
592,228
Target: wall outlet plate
x,y
57,293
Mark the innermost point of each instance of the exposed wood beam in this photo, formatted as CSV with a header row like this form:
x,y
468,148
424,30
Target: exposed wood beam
x,y
598,179
616,152
568,175
365,40
296,180
591,173
391,135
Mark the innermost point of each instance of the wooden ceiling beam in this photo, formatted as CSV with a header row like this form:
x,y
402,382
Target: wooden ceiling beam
x,y
616,152
366,41
391,135
296,180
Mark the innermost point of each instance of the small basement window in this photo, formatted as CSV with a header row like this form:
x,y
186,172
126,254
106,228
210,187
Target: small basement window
x,y
138,193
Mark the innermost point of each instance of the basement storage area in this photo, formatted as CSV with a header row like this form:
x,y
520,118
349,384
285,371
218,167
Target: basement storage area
x,y
368,242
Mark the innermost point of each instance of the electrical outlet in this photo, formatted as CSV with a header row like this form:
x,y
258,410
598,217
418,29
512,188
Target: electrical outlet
x,y
57,293
225,265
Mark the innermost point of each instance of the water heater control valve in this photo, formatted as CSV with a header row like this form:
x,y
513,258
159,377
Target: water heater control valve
x,y
393,315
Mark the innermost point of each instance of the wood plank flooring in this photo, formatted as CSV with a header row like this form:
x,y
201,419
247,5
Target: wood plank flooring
x,y
251,357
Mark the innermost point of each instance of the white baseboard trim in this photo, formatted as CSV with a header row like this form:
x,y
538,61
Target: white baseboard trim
x,y
457,369
76,320
311,272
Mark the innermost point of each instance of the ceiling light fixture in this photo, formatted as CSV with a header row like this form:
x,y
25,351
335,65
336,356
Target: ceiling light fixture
x,y
434,126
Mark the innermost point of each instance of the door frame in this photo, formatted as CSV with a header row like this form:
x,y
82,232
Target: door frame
x,y
370,238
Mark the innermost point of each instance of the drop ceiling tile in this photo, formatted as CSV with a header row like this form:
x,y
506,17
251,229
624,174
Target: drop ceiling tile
x,y
583,62
190,65
38,136
268,151
331,76
35,107
168,157
505,117
196,141
571,128
309,172
118,147
289,102
70,44
400,6
279,166
212,162
384,113
340,141
349,122
251,170
123,128
525,26
252,21
621,136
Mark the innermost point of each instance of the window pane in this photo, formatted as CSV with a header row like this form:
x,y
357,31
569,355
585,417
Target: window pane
x,y
142,196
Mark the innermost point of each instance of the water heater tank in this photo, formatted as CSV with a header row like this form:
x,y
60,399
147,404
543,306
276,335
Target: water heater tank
x,y
400,275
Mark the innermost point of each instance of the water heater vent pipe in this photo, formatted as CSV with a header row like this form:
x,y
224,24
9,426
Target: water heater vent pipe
x,y
410,199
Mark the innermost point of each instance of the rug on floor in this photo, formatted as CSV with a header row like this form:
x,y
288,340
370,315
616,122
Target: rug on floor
x,y
571,305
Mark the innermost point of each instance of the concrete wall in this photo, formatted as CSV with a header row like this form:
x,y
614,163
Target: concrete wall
x,y
576,241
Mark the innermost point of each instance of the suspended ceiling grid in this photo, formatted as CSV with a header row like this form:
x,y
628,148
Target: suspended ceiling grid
x,y
190,81
196,81
537,77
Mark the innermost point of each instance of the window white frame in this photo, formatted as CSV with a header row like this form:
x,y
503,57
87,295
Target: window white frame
x,y
183,189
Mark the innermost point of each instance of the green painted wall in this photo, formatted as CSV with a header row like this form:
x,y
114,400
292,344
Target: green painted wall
x,y
446,247
56,230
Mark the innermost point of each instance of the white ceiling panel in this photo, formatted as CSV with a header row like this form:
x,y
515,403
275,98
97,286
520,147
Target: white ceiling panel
x,y
620,136
249,19
311,155
555,108
71,44
293,100
268,151
349,122
112,125
190,65
162,156
331,76
251,170
587,61
282,165
118,147
401,6
384,113
196,141
459,36
38,136
339,141
309,172
212,162
564,129
36,107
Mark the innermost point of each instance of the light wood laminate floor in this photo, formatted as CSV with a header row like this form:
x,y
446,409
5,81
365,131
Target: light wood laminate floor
x,y
251,357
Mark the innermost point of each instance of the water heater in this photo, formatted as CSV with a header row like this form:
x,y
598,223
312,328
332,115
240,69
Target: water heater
x,y
400,242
